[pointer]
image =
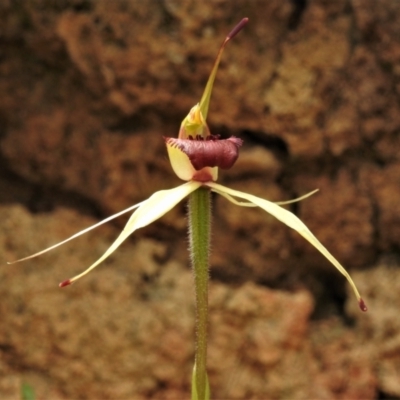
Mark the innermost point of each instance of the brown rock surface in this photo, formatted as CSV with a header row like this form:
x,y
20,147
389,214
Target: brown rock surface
x,y
126,331
88,89
379,332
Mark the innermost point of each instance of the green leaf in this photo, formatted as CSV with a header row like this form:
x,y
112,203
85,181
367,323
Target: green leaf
x,y
194,387
27,392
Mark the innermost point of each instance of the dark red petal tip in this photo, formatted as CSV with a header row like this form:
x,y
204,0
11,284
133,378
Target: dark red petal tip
x,y
65,283
237,28
363,306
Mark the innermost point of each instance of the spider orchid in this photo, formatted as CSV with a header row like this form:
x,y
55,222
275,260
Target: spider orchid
x,y
195,157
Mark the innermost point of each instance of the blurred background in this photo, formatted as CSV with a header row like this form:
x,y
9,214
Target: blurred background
x,y
88,89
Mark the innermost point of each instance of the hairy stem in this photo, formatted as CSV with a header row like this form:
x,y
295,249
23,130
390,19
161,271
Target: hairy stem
x,y
199,239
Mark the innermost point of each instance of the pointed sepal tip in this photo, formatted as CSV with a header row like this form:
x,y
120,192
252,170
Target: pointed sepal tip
x,y
362,305
65,283
237,28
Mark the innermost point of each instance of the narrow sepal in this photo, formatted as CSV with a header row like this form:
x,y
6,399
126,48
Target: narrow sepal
x,y
237,28
362,305
65,283
205,99
247,204
82,232
150,210
293,222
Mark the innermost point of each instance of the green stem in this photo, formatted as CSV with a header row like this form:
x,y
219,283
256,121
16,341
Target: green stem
x,y
199,238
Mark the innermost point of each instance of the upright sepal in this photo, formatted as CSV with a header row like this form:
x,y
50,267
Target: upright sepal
x,y
197,154
195,122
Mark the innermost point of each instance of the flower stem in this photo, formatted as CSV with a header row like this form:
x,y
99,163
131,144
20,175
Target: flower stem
x,y
199,239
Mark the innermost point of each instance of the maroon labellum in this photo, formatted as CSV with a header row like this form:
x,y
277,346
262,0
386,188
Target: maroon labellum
x,y
209,152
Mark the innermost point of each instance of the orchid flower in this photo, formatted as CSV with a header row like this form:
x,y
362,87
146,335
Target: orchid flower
x,y
195,156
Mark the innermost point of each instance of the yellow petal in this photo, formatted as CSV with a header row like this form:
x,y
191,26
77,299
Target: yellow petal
x,y
293,222
78,234
180,163
301,198
246,204
150,210
184,169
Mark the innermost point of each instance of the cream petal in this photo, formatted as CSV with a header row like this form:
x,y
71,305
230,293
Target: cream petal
x,y
245,204
183,167
293,222
150,210
234,201
180,163
301,198
78,234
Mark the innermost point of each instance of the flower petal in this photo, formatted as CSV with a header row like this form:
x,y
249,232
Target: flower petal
x,y
183,167
246,204
150,210
301,198
293,222
78,234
